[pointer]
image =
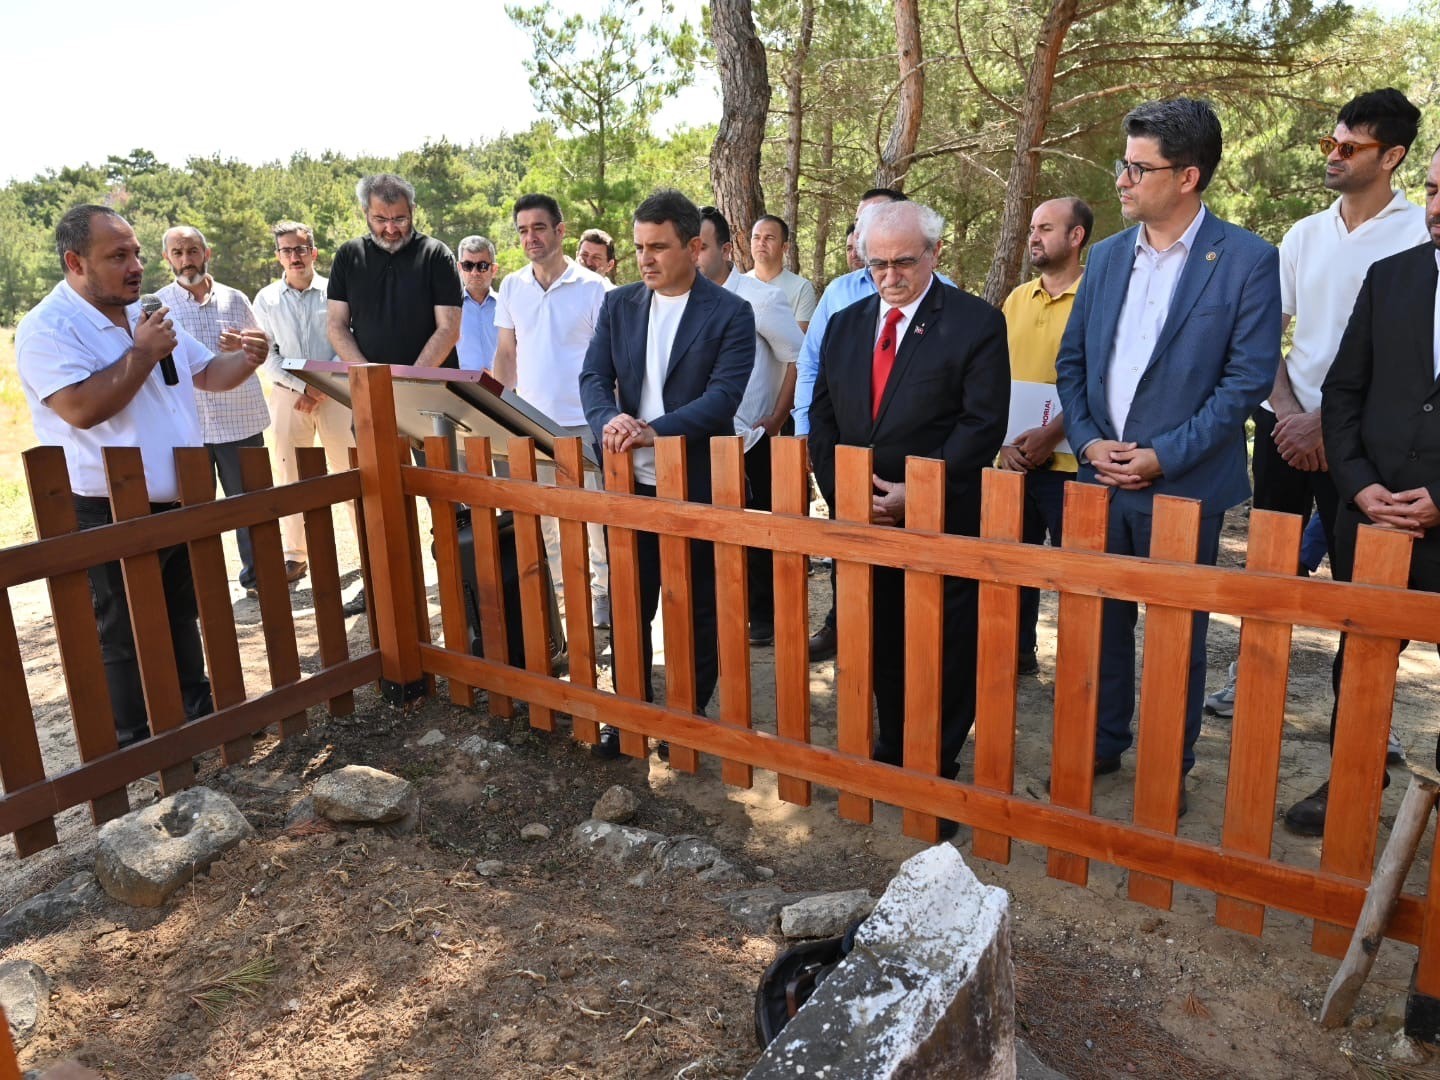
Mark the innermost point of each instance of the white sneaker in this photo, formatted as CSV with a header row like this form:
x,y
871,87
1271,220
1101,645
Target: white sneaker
x,y
601,608
1222,701
1394,752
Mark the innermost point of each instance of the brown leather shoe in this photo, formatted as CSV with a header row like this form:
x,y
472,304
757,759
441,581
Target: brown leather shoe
x,y
823,644
295,569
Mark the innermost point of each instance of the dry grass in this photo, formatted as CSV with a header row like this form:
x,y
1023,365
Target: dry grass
x,y
245,982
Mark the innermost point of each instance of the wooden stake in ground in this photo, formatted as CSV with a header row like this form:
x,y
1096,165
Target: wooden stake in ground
x,y
9,1066
1380,901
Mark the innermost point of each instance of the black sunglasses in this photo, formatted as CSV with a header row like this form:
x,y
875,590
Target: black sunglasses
x,y
474,267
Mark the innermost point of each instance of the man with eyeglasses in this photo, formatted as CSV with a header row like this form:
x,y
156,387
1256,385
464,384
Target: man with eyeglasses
x,y
1173,342
292,311
546,314
920,368
478,335
394,295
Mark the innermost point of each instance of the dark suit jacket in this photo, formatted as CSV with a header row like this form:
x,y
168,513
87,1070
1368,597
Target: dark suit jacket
x,y
710,365
948,395
1380,410
1213,363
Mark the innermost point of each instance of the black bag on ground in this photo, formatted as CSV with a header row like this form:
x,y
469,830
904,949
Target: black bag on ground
x,y
792,978
510,579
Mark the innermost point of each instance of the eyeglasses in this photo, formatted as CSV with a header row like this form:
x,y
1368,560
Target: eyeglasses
x,y
1136,172
398,222
905,262
1347,150
475,267
290,252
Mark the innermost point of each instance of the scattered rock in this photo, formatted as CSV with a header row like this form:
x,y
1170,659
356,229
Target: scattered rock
x,y
764,873
1030,1067
826,915
687,853
302,811
643,880
1393,1018
1404,1049
758,909
618,804
51,909
721,871
535,831
24,995
146,855
619,843
183,1076
489,868
433,737
362,795
477,747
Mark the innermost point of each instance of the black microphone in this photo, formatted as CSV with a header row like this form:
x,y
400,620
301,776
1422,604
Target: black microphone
x,y
149,304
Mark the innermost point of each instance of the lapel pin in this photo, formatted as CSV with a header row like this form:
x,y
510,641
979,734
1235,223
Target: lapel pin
x,y
1210,256
919,329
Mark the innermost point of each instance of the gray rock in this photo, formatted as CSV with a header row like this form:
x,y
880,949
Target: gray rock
x,y
825,915
618,804
304,810
183,1076
362,795
51,909
643,880
1403,1049
758,909
619,843
927,991
763,873
1030,1067
489,868
721,871
146,855
433,737
477,747
535,831
24,995
686,853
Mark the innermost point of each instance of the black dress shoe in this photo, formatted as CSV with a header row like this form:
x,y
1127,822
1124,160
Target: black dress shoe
x,y
762,633
823,644
355,605
662,750
608,748
1104,766
1027,664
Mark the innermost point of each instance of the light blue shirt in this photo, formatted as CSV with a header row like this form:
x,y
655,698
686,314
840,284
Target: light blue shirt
x,y
839,294
478,336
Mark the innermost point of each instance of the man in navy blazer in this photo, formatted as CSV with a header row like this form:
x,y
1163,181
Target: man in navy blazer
x,y
1173,342
671,355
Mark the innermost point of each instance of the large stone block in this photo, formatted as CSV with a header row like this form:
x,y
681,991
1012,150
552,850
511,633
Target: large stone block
x,y
146,855
825,915
360,795
928,990
51,909
24,995
620,844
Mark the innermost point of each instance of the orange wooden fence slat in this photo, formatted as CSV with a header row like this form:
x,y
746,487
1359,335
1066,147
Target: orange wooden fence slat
x,y
924,624
676,597
149,621
575,570
282,652
1357,764
20,760
9,1064
196,477
1002,517
325,595
1255,732
447,567
361,540
790,495
76,634
489,578
531,563
415,552
854,626
1159,776
1427,967
732,601
627,657
1077,675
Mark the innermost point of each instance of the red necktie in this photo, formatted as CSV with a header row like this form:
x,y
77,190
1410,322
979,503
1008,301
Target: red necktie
x,y
884,361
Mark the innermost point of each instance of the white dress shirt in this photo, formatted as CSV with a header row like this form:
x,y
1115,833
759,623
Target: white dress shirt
x,y
907,314
665,315
1153,278
295,319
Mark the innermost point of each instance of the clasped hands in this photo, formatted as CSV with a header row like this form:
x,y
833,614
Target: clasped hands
x,y
1410,512
623,432
1123,465
250,341
1031,449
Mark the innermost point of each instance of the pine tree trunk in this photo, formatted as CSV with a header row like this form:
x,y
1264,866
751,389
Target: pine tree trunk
x,y
745,94
794,94
904,133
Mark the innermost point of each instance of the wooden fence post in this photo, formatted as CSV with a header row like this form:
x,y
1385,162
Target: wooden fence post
x,y
790,487
627,654
20,761
387,536
325,578
530,562
854,626
447,568
924,622
677,599
489,577
732,582
575,569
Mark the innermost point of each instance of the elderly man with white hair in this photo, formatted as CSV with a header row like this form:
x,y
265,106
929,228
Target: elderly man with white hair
x,y
919,368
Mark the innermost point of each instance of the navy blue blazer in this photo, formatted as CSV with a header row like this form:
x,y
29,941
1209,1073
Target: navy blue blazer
x,y
1213,363
710,364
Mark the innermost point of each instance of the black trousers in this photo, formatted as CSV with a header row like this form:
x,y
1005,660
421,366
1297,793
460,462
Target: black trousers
x,y
117,640
225,457
1280,486
702,593
760,562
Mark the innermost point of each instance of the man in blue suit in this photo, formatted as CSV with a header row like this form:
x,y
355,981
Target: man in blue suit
x,y
671,355
1173,342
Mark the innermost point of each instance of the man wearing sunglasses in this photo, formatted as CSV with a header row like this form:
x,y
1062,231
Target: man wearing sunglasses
x,y
478,335
1173,341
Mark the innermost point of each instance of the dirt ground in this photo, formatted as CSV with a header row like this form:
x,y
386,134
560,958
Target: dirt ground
x,y
391,956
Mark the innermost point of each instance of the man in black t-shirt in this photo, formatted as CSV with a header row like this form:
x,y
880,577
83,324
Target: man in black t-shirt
x,y
394,296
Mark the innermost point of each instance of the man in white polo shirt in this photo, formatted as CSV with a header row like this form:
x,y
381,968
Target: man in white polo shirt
x,y
545,316
98,373
769,241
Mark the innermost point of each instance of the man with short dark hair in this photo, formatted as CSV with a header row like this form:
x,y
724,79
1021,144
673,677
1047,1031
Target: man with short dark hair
x,y
1035,317
765,408
852,256
597,253
671,355
89,362
1173,342
769,241
210,311
394,295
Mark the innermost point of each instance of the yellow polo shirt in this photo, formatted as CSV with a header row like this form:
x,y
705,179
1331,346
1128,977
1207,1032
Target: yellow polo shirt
x,y
1035,322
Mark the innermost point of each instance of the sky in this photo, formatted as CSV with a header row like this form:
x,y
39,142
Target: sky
x,y
260,80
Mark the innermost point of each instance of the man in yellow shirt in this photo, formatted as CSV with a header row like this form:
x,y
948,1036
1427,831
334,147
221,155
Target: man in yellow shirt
x,y
1035,316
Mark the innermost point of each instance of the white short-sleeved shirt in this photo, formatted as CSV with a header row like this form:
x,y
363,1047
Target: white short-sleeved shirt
x,y
799,293
777,346
63,341
1322,266
230,415
552,329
